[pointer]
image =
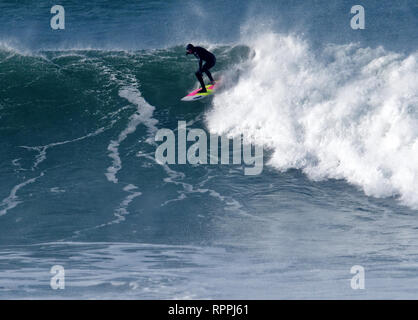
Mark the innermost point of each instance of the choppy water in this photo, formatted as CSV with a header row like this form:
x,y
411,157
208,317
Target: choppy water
x,y
334,108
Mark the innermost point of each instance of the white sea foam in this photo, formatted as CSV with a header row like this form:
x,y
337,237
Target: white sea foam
x,y
121,211
56,190
143,115
12,200
42,150
347,112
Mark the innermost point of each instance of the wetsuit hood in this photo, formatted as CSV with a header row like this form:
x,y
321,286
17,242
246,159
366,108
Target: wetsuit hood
x,y
190,47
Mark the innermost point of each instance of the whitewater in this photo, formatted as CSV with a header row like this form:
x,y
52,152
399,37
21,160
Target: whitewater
x,y
350,113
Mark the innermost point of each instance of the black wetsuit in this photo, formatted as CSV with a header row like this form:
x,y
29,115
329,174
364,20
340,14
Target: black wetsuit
x,y
210,60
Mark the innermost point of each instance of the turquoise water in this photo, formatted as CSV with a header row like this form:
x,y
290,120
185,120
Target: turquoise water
x,y
334,108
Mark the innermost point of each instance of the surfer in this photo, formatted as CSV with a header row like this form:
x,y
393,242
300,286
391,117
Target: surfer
x,y
203,55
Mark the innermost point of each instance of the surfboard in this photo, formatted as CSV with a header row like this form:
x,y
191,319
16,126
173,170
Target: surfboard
x,y
194,95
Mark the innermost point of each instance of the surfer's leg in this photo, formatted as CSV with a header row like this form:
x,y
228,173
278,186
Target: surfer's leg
x,y
206,68
209,76
202,83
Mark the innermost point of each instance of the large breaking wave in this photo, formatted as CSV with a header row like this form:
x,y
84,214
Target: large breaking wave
x,y
346,112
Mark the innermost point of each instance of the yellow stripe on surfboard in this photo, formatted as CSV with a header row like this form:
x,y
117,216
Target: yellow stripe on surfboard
x,y
210,91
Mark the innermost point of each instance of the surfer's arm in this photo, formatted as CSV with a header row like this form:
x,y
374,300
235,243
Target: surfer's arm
x,y
200,60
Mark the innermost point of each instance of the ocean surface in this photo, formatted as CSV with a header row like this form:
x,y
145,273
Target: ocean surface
x,y
335,109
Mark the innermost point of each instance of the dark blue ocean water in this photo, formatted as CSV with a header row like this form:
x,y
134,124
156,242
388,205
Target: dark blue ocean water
x,y
334,108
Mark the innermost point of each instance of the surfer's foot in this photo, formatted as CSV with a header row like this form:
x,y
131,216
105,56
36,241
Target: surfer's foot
x,y
202,91
212,82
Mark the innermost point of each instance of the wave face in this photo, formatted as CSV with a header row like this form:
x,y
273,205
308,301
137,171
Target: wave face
x,y
335,109
345,113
